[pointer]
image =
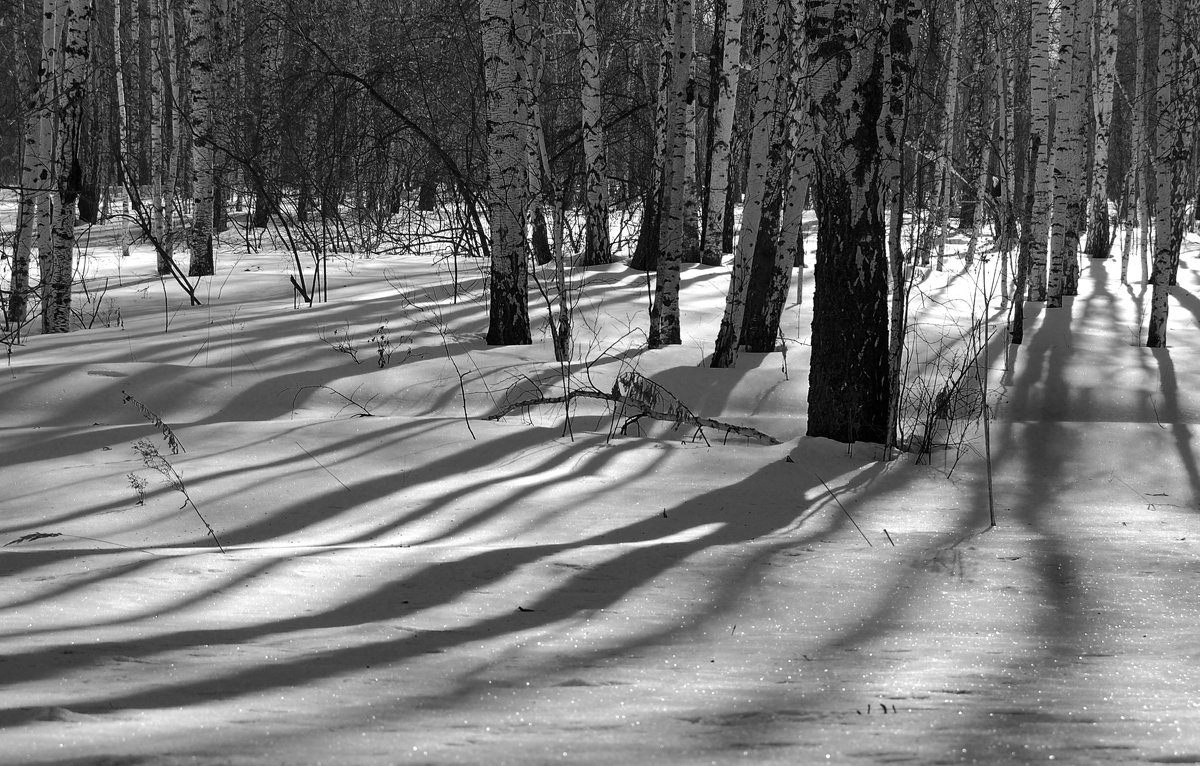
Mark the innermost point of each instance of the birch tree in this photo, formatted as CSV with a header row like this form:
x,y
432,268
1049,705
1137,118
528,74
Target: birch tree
x,y
799,143
158,100
763,164
664,310
267,100
945,178
1039,129
788,171
57,278
34,89
1070,106
723,113
596,244
1099,244
508,319
650,239
849,373
200,15
1178,62
35,214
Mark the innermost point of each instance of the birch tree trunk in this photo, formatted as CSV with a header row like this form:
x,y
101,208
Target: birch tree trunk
x,y
156,132
664,310
645,257
33,91
269,101
508,318
849,377
901,18
176,140
596,248
799,145
1099,244
56,299
200,14
788,173
53,15
119,70
528,45
1145,104
689,212
1070,106
1178,61
945,177
763,163
1039,127
718,185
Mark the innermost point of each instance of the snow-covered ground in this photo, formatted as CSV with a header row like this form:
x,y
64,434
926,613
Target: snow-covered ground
x,y
414,586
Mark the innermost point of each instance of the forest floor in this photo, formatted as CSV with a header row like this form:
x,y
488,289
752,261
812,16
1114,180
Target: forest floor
x,y
416,586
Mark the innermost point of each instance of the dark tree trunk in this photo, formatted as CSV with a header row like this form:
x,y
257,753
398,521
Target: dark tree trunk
x,y
764,304
427,193
262,211
849,377
645,253
542,252
735,193
508,317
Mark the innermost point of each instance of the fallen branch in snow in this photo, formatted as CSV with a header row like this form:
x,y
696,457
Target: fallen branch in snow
x,y
646,399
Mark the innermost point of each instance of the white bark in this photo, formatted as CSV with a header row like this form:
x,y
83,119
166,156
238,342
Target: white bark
x,y
1107,12
1039,126
33,89
119,67
200,15
157,225
800,141
763,121
53,14
508,185
1178,62
1068,148
56,298
718,184
945,177
597,248
664,311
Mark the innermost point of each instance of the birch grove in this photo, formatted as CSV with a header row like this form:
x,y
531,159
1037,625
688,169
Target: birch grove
x,y
546,134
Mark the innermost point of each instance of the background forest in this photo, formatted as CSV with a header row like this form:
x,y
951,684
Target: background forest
x,y
579,133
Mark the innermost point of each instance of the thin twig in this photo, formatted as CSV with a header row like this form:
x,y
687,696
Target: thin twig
x,y
44,535
323,468
839,502
364,414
